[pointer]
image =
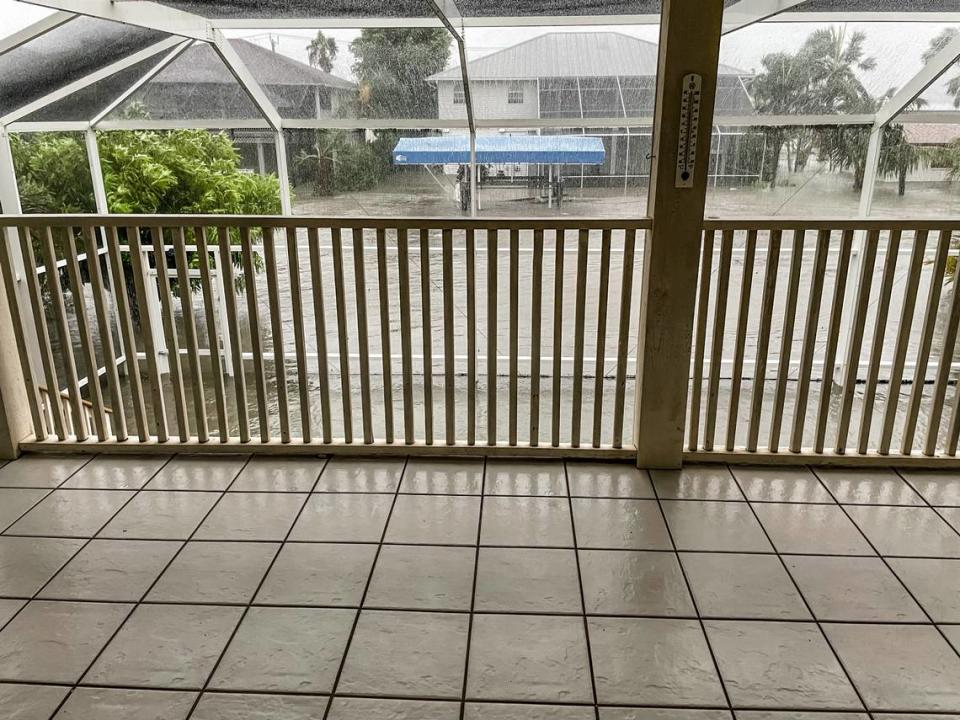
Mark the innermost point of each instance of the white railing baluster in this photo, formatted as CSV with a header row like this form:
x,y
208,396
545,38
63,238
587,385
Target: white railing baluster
x,y
276,330
536,307
763,337
363,338
833,335
786,338
557,367
716,343
213,344
623,334
336,238
514,366
580,309
320,331
426,333
86,338
944,366
170,333
299,335
190,333
492,266
233,322
700,339
253,321
814,302
879,335
471,239
740,340
926,341
599,362
449,351
384,297
406,340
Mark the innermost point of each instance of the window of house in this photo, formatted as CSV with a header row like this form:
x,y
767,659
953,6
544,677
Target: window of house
x,y
515,94
458,97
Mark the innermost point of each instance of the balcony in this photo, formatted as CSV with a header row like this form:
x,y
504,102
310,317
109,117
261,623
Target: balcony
x,y
247,587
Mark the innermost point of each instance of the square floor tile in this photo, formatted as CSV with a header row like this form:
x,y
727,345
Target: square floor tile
x,y
779,664
71,513
795,715
934,583
908,531
236,706
112,570
434,519
953,635
868,486
9,608
252,516
214,572
343,517
743,586
285,650
442,477
529,657
855,589
422,578
406,654
899,667
318,574
653,661
375,709
279,474
614,480
811,529
675,714
527,711
30,702
527,580
618,582
166,646
27,563
14,502
938,487
115,472
198,472
116,704
41,471
360,475
952,516
517,477
781,484
54,642
526,521
161,516
627,524
696,482
729,526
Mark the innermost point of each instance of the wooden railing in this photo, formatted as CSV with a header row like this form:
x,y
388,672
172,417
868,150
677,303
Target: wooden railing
x,y
314,334
830,339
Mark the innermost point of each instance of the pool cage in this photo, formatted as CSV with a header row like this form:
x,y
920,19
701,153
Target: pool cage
x,y
101,66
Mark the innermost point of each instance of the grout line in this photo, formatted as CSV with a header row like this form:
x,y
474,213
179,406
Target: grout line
x,y
806,604
473,596
583,601
363,597
50,492
693,600
246,607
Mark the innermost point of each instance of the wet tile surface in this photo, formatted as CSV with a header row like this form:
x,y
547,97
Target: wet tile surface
x,y
575,605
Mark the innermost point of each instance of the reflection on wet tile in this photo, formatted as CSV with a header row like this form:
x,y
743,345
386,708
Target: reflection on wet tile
x,y
938,487
529,657
276,474
361,475
811,529
112,472
71,513
617,582
781,484
442,477
899,667
934,583
214,572
779,664
434,519
27,563
908,531
161,516
252,516
709,526
653,661
14,502
318,574
633,524
41,471
422,578
696,482
198,472
868,486
608,480
527,580
343,517
526,521
506,477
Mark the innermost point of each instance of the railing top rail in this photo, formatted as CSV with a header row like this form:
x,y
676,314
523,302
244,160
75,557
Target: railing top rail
x,y
277,221
786,223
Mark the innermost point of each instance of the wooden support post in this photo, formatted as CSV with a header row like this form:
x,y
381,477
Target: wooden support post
x,y
689,43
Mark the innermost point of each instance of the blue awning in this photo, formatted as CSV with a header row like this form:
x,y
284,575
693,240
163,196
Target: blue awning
x,y
455,149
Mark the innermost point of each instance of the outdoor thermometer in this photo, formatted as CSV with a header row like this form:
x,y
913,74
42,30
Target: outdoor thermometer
x,y
689,124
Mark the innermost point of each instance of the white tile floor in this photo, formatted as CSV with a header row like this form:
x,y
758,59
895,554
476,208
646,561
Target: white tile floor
x,y
264,589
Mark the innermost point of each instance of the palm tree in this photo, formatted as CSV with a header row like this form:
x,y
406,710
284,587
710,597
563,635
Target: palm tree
x,y
946,36
322,51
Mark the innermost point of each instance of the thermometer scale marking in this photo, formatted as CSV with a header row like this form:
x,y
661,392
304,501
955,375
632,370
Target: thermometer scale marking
x,y
689,126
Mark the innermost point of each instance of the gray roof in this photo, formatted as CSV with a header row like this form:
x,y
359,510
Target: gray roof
x,y
197,65
569,54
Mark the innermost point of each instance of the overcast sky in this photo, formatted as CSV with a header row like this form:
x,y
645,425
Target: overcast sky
x,y
897,47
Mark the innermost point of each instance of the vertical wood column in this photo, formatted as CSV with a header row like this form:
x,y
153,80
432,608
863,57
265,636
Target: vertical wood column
x,y
689,43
